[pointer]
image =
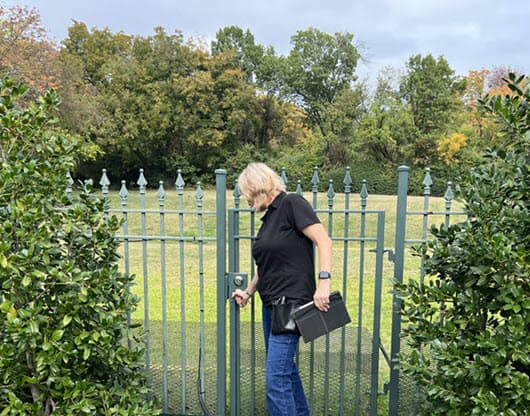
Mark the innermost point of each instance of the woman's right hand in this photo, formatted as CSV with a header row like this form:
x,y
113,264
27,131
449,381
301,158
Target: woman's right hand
x,y
241,297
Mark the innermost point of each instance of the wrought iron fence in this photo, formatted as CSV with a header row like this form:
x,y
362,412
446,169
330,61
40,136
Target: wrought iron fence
x,y
178,244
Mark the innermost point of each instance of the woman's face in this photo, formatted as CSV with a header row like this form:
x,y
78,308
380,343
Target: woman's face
x,y
259,202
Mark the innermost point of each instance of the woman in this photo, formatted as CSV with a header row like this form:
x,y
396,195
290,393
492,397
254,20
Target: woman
x,y
283,252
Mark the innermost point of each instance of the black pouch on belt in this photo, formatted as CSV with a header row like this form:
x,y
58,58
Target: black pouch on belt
x,y
282,321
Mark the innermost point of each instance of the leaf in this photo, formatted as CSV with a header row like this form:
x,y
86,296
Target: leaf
x,y
57,334
33,327
83,294
11,314
3,260
66,320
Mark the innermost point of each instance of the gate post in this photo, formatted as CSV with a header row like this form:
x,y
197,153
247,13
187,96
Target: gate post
x,y
401,223
220,186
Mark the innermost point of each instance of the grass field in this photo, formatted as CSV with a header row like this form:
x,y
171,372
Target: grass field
x,y
179,270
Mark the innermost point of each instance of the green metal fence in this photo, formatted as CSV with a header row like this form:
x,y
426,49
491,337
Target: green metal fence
x,y
206,356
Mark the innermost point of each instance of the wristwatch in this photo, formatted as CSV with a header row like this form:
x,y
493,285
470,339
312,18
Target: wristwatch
x,y
324,275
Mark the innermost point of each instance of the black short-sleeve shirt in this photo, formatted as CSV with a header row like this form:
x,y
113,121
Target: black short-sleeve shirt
x,y
283,254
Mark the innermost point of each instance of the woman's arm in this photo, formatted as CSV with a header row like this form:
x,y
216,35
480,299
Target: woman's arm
x,y
317,233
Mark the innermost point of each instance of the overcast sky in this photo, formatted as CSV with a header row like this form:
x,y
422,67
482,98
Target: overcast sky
x,y
470,34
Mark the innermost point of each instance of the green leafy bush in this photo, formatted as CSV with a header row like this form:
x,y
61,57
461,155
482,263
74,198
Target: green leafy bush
x,y
469,324
64,304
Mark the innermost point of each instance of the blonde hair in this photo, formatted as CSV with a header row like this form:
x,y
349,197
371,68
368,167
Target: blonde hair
x,y
258,182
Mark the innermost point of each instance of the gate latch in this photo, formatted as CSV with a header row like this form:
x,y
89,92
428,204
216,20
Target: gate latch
x,y
235,281
391,254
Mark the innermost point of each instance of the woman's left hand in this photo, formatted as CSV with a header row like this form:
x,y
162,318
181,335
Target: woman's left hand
x,y
321,296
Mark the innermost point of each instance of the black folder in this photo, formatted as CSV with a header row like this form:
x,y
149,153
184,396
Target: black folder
x,y
313,323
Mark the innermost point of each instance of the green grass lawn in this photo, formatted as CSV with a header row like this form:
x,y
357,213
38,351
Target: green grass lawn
x,y
182,274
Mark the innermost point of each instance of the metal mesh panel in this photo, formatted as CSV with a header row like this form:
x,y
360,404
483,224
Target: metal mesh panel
x,y
187,404
408,389
313,369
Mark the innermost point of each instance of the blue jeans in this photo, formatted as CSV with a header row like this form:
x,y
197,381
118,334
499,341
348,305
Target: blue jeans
x,y
285,393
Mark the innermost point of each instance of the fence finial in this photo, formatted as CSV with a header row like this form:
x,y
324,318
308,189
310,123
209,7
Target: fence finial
x,y
142,182
427,182
161,194
315,180
237,191
199,195
449,195
364,193
299,188
283,177
347,181
331,193
124,193
179,183
104,182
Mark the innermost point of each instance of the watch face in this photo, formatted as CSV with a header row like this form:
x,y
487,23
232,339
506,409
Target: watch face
x,y
324,275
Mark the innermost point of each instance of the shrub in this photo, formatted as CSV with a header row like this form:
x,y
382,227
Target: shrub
x,y
469,324
64,304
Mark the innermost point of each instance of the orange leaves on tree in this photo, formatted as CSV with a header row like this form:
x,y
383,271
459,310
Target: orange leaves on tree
x,y
25,51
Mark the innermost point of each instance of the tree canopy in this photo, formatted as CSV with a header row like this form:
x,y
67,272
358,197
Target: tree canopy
x,y
163,102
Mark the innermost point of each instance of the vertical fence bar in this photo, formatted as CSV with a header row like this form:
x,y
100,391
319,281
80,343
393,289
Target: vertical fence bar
x,y
347,192
235,334
401,223
179,184
124,196
447,220
220,175
448,196
331,196
314,189
427,183
105,183
199,195
142,183
236,262
358,366
161,194
252,320
376,332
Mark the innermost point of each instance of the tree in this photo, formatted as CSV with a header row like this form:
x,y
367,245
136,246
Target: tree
x,y
63,302
159,103
319,67
433,92
344,119
469,324
26,54
434,95
242,45
119,96
386,131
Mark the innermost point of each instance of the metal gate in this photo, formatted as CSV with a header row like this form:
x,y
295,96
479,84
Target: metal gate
x,y
341,371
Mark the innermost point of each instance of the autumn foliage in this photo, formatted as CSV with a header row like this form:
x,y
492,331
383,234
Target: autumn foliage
x,y
26,52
